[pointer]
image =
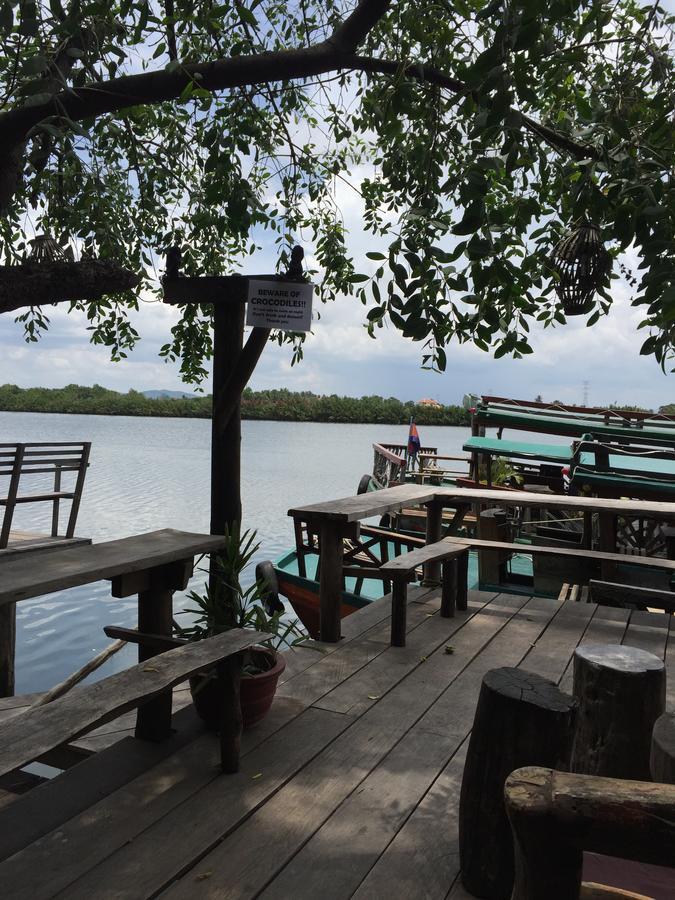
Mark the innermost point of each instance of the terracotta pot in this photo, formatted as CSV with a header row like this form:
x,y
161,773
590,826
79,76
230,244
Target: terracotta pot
x,y
256,693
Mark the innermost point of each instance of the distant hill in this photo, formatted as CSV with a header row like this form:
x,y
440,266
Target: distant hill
x,y
168,395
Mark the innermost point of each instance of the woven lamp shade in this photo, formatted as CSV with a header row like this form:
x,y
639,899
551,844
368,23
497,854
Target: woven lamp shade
x,y
45,249
582,264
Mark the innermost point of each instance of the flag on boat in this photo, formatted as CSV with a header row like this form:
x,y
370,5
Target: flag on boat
x,y
413,440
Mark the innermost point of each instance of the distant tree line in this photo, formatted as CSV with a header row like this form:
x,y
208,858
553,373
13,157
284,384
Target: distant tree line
x,y
279,405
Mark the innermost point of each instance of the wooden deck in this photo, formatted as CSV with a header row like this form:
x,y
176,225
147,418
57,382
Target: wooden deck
x,y
349,788
25,541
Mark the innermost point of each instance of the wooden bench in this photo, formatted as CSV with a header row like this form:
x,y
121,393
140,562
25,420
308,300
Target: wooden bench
x,y
556,816
629,596
152,565
29,735
599,556
455,560
21,461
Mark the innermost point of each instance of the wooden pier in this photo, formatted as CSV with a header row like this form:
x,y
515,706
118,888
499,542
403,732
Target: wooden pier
x,y
349,788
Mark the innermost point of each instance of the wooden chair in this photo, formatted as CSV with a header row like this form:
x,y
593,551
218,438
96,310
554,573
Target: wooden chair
x,y
21,461
556,816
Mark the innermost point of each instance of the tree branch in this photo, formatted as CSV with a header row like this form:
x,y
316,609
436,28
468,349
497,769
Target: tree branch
x,y
355,28
91,101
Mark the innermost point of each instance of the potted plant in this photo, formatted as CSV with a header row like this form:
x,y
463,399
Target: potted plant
x,y
225,604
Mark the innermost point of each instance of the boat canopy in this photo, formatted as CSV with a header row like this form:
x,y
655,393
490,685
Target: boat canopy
x,y
555,453
548,422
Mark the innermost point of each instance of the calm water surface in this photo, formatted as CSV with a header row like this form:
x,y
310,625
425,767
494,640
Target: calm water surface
x,y
147,474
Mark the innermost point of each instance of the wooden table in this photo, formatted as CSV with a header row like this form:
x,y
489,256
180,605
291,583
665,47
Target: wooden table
x,y
337,519
152,565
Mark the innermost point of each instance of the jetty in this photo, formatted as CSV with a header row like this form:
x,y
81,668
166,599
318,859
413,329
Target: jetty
x,y
349,788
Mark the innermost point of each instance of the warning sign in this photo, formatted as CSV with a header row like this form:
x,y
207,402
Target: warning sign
x,y
285,305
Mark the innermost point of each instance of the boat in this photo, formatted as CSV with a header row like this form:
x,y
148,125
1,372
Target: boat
x,y
613,453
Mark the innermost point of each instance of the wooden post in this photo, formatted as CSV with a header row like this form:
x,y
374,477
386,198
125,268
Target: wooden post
x,y
662,761
449,592
330,581
607,543
228,336
399,602
229,678
521,719
490,565
462,580
432,570
669,537
621,693
155,616
7,648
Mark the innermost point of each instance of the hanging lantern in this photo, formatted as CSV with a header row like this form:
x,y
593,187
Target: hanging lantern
x,y
582,265
45,249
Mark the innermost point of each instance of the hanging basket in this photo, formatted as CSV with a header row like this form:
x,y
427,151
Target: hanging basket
x,y
582,265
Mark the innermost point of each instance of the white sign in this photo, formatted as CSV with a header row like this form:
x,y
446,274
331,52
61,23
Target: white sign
x,y
286,305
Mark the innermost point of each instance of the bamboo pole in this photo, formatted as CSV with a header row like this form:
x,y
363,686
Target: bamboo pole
x,y
60,689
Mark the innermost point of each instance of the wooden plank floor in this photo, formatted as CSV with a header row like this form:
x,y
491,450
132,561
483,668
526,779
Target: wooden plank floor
x,y
349,788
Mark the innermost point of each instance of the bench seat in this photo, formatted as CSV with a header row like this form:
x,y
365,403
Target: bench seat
x,y
31,734
455,560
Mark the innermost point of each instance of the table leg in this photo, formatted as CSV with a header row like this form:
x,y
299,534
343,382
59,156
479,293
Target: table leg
x,y
462,580
7,648
607,543
155,616
330,582
432,570
449,592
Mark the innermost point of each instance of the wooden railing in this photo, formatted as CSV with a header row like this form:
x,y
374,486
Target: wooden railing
x,y
19,462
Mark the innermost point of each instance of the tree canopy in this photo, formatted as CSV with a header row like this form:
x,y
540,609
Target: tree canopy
x,y
475,131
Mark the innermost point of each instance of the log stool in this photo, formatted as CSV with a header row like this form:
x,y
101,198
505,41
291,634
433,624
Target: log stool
x,y
521,719
662,762
621,693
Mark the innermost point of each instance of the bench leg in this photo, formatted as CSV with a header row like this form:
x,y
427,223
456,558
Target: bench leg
x,y
399,603
462,580
229,677
449,589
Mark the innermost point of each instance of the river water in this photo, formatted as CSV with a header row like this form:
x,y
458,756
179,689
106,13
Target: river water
x,y
147,474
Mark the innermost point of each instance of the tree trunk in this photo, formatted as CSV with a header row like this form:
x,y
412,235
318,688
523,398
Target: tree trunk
x,y
521,720
621,693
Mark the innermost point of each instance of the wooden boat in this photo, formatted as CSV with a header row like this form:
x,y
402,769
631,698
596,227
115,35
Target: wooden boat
x,y
633,455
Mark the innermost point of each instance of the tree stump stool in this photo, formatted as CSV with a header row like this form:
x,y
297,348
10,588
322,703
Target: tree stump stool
x,y
662,762
521,720
621,693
